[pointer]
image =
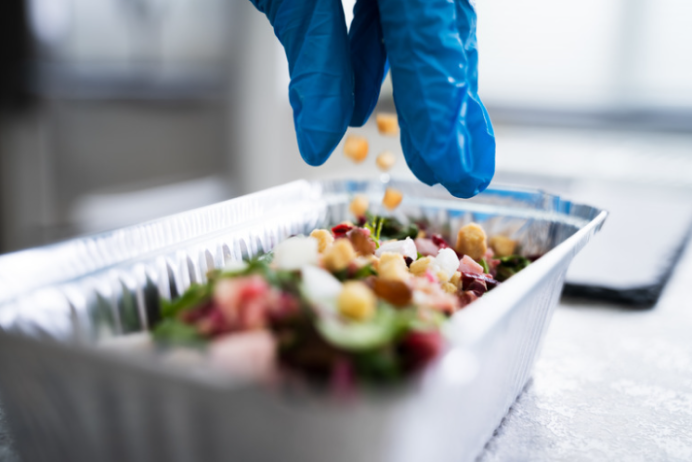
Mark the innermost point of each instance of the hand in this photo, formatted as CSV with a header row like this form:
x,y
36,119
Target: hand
x,y
336,76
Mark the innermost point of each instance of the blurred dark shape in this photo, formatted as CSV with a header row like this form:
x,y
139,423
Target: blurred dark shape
x,y
637,251
15,53
104,106
652,119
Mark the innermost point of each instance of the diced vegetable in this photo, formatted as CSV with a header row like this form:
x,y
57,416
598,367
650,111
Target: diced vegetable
x,y
320,286
440,241
341,229
377,332
468,265
426,247
478,283
405,247
448,262
296,252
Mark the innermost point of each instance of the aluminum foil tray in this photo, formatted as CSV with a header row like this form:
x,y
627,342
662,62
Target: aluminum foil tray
x,y
67,399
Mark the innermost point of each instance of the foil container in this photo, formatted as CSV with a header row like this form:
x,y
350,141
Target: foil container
x,y
68,398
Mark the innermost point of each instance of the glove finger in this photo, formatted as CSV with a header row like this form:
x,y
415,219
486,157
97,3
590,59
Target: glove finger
x,y
368,59
466,24
477,118
314,36
433,91
415,161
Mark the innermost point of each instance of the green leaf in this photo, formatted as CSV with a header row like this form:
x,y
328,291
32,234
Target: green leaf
x,y
515,261
410,231
375,224
391,227
484,264
379,365
256,265
364,272
341,275
195,295
511,265
283,279
394,229
176,332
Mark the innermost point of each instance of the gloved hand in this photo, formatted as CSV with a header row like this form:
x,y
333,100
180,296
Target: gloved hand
x,y
336,76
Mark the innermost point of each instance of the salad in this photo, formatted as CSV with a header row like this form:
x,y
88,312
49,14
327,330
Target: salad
x,y
358,303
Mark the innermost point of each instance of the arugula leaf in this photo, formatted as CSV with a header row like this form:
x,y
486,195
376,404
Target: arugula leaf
x,y
198,294
195,295
258,264
511,265
361,273
176,332
394,229
378,365
411,231
365,271
515,260
390,228
285,280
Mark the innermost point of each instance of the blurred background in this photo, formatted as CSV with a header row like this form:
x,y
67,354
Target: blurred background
x,y
117,111
113,112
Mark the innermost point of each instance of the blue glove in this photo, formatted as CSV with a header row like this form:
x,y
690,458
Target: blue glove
x,y
336,76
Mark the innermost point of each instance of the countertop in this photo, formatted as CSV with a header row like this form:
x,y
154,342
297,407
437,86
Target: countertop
x,y
610,384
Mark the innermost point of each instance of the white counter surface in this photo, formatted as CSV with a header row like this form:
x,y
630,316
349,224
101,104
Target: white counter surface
x,y
610,384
